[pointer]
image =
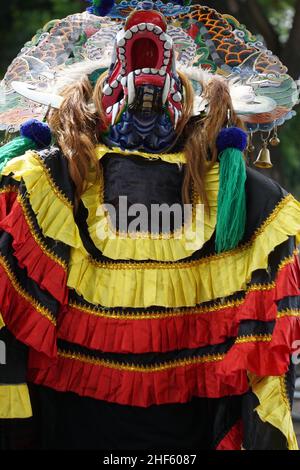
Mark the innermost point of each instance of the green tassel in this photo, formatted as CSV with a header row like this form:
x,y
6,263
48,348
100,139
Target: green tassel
x,y
15,148
231,215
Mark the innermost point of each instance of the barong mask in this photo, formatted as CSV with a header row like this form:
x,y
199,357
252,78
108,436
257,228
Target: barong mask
x,y
142,94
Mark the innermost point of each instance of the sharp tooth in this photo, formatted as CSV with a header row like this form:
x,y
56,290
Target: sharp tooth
x,y
108,110
128,34
176,117
137,72
167,53
134,29
122,57
164,68
142,26
162,71
121,42
122,71
131,88
166,61
146,70
121,50
157,30
162,37
119,78
124,81
150,26
166,89
154,71
114,112
177,97
167,45
114,84
107,90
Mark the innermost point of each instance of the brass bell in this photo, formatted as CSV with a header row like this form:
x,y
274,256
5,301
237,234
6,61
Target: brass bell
x,y
274,141
250,148
264,159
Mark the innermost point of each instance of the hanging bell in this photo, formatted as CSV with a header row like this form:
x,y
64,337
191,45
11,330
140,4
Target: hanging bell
x,y
274,141
250,147
264,159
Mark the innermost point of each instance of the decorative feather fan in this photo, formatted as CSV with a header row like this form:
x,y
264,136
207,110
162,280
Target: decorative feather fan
x,y
206,42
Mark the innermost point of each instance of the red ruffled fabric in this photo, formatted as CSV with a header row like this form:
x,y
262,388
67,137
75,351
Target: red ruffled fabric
x,y
175,385
233,439
7,200
178,332
49,275
24,321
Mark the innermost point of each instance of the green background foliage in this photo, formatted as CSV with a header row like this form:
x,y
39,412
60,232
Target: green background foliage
x,y
276,21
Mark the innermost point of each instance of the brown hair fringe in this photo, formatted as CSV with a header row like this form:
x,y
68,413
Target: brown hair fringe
x,y
76,125
200,135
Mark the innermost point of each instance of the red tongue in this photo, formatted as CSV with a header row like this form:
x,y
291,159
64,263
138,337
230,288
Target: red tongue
x,y
149,79
144,54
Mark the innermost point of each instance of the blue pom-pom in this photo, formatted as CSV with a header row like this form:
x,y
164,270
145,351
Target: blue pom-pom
x,y
100,7
37,131
232,137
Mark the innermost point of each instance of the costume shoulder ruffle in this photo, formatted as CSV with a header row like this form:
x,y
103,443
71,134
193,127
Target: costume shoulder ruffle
x,y
119,328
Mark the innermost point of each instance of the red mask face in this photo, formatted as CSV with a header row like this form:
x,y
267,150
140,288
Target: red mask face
x,y
142,77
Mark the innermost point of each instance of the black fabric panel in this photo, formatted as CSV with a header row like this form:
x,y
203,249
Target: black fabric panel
x,y
142,182
57,165
147,359
255,327
8,181
67,421
289,303
18,434
13,359
290,379
262,196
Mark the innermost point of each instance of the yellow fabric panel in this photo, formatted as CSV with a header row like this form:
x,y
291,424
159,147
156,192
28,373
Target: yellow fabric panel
x,y
14,402
2,324
274,405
